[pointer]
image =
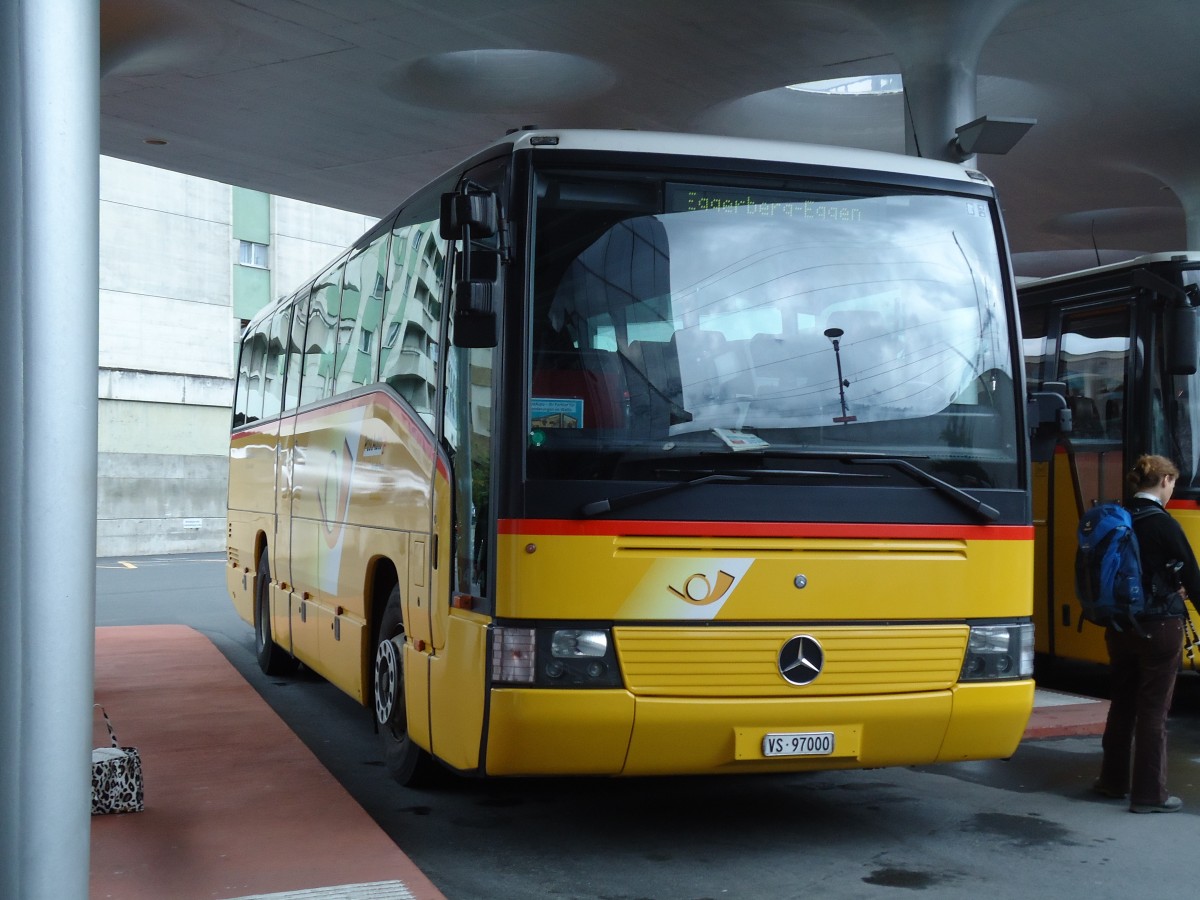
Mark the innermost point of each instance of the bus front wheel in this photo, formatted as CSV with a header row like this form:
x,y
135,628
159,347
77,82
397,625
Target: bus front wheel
x,y
405,761
272,658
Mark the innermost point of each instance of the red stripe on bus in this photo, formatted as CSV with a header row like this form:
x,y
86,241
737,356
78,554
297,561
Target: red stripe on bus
x,y
766,529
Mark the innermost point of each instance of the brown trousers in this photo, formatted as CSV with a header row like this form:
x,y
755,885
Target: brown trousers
x,y
1144,670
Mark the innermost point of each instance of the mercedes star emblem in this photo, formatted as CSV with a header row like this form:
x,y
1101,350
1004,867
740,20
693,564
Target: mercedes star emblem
x,y
801,659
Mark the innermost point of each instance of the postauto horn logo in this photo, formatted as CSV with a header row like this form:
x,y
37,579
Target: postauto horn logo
x,y
699,590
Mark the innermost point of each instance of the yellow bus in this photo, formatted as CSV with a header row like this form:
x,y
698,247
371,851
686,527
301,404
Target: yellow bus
x,y
1119,342
620,453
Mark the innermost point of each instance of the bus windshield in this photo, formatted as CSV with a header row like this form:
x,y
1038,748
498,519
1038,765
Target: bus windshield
x,y
670,315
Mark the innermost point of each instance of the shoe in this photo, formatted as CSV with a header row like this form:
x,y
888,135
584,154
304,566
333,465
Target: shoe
x,y
1112,793
1171,804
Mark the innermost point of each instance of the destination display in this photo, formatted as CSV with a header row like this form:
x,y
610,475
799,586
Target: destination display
x,y
765,204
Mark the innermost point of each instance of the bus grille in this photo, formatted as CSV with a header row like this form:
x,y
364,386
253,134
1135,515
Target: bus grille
x,y
742,661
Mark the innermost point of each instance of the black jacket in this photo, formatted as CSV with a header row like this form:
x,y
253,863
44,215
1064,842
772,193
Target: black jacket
x,y
1161,541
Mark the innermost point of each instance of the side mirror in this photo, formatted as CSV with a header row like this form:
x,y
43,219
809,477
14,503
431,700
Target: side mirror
x,y
1179,332
470,215
1179,319
474,316
476,289
1049,417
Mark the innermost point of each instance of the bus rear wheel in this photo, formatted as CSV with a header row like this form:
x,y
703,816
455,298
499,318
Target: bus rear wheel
x,y
405,761
272,658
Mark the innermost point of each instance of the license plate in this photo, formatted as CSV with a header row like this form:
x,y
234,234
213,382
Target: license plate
x,y
802,743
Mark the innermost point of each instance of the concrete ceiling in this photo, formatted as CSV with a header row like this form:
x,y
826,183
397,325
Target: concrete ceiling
x,y
354,103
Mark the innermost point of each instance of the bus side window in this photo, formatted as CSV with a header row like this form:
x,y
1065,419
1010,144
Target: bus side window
x,y
295,351
1092,362
1039,361
468,430
273,372
242,393
320,339
412,313
254,358
362,313
1093,359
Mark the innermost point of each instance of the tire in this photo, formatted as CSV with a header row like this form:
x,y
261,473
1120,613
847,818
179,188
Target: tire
x,y
272,659
405,761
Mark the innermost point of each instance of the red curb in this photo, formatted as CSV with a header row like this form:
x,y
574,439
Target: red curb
x,y
236,804
1085,718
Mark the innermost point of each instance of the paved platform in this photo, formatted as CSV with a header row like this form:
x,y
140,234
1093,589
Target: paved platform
x,y
238,807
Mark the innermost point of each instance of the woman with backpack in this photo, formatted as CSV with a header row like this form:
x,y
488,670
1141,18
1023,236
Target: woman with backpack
x,y
1145,658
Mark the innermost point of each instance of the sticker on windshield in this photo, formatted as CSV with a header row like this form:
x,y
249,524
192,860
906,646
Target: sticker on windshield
x,y
556,412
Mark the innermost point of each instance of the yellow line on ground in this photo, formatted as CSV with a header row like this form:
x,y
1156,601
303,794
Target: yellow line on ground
x,y
127,565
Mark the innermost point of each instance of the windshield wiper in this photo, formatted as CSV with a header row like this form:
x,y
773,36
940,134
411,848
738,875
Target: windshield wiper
x,y
751,474
598,507
962,498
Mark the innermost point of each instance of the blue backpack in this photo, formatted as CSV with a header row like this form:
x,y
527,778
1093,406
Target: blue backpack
x,y
1108,567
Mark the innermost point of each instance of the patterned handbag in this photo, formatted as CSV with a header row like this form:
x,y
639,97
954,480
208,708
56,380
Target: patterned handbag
x,y
116,776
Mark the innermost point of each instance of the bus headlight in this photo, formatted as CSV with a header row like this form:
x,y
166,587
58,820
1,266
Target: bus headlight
x,y
569,643
553,656
999,652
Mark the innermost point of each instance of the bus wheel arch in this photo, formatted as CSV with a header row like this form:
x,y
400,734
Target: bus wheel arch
x,y
272,659
406,762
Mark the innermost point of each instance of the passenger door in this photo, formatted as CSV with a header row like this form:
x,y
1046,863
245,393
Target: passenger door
x,y
464,530
1094,360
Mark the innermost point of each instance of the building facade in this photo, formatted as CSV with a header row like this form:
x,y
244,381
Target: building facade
x,y
184,264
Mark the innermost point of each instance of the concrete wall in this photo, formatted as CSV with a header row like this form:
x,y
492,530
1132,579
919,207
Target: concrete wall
x,y
167,341
307,239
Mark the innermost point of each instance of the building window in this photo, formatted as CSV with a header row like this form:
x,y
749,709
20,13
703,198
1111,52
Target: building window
x,y
252,254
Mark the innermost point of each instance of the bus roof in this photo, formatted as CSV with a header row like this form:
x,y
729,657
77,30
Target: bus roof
x,y
620,141
1178,256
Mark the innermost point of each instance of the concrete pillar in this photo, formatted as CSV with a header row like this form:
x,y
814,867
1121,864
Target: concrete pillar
x,y
1185,185
937,43
49,210
1188,191
10,452
939,95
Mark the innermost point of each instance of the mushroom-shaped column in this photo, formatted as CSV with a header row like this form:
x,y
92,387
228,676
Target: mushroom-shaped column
x,y
937,43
